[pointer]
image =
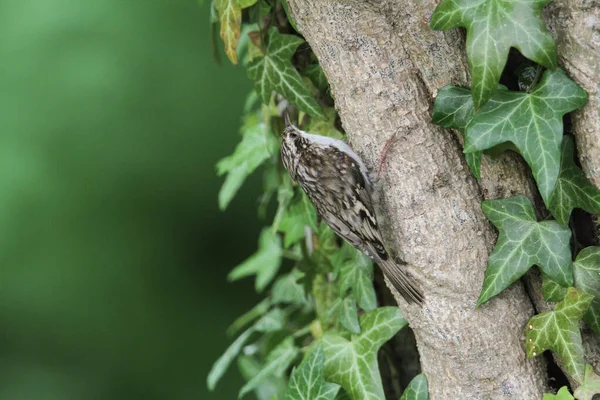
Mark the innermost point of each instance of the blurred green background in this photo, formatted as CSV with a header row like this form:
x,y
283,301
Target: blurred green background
x,y
113,253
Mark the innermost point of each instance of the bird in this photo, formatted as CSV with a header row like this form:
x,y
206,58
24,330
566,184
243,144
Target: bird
x,y
338,184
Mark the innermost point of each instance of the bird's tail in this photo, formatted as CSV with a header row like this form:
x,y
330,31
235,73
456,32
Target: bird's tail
x,y
402,281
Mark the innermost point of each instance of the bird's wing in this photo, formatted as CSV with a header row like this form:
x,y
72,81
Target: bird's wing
x,y
350,212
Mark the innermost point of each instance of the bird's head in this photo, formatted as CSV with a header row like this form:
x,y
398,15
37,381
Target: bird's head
x,y
291,141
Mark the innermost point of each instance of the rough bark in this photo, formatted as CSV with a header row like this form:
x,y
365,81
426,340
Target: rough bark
x,y
575,25
384,65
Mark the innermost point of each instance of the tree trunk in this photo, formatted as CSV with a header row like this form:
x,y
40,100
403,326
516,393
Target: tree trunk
x,y
575,26
385,65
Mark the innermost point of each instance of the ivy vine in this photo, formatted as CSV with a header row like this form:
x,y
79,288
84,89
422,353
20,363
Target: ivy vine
x,y
317,332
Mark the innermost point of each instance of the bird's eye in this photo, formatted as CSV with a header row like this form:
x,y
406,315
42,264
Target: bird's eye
x,y
293,135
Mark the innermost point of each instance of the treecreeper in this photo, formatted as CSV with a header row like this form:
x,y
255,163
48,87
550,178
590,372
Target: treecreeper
x,y
338,184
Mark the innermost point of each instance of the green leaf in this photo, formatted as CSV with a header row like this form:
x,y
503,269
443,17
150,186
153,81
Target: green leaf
x,y
269,388
230,14
286,8
264,263
474,163
590,386
272,321
348,314
493,27
260,14
523,242
275,73
325,127
324,294
586,272
551,290
296,218
327,240
257,146
532,121
222,364
355,273
453,108
353,363
285,193
277,362
563,394
417,389
287,289
558,331
249,316
315,73
573,189
307,382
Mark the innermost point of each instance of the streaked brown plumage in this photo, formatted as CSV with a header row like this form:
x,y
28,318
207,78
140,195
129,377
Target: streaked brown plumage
x,y
337,182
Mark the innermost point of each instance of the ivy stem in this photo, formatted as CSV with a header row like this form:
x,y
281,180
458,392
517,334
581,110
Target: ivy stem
x,y
291,255
301,332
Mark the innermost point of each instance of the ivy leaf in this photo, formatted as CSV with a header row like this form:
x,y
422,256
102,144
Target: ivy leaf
x,y
586,269
296,218
348,314
230,14
493,27
257,145
523,242
590,386
307,382
275,73
353,363
558,331
291,19
453,108
315,73
586,272
261,14
222,364
264,263
285,193
272,321
325,127
269,388
356,274
563,394
325,294
573,189
532,121
278,360
417,389
551,290
287,289
249,316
